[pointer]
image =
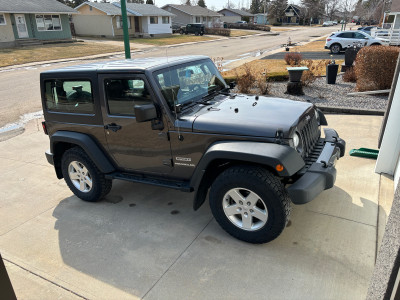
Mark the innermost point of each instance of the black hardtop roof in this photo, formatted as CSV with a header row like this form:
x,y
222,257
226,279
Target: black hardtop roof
x,y
137,64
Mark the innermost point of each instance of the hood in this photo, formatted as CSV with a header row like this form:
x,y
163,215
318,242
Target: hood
x,y
244,115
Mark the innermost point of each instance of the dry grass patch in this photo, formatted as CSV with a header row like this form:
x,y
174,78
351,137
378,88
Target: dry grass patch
x,y
316,46
173,39
275,66
238,32
16,56
277,28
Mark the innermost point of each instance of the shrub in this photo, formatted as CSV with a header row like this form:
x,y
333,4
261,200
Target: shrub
x,y
245,82
375,66
314,70
350,75
293,58
218,31
262,84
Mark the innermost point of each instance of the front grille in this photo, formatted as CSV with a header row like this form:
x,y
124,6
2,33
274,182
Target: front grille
x,y
310,134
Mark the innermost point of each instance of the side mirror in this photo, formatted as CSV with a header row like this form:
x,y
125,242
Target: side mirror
x,y
144,113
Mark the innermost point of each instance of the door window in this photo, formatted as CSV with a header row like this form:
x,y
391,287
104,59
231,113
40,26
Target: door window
x,y
123,94
346,35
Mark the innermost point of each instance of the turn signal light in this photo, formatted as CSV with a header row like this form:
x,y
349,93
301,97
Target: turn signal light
x,y
279,168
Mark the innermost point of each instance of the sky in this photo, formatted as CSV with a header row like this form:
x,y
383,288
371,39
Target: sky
x,y
218,4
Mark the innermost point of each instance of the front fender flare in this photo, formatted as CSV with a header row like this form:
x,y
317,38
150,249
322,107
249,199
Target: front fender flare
x,y
266,154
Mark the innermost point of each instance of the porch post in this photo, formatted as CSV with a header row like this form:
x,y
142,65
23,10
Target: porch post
x,y
125,29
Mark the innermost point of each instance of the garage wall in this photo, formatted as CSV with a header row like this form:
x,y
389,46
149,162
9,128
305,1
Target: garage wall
x,y
92,25
388,159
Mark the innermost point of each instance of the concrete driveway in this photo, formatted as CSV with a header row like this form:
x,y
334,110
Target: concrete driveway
x,y
145,241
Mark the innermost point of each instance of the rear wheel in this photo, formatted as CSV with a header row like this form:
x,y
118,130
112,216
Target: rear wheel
x,y
336,48
83,177
250,204
196,33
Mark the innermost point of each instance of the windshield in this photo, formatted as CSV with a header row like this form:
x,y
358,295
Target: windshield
x,y
188,83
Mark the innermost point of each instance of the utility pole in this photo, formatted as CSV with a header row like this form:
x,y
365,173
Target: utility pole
x,y
125,29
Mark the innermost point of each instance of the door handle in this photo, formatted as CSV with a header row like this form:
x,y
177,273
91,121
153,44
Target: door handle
x,y
114,127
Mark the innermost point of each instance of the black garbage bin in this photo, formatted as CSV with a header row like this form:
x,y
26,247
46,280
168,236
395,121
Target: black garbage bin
x,y
331,73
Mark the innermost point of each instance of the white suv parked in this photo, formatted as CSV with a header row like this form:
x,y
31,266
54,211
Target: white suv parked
x,y
339,41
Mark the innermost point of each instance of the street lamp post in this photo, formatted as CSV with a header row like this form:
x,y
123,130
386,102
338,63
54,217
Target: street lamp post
x,y
125,29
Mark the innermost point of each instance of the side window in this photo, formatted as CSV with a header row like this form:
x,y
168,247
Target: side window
x,y
346,35
69,96
123,94
359,36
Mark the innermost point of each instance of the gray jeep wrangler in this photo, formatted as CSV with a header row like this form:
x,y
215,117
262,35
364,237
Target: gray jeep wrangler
x,y
174,122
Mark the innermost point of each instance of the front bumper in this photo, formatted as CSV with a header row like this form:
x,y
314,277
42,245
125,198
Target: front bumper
x,y
321,175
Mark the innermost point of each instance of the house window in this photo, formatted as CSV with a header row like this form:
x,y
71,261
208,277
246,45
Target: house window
x,y
2,19
165,20
90,8
153,20
204,19
119,22
197,19
48,23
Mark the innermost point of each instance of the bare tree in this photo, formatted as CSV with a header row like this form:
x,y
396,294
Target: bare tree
x,y
332,8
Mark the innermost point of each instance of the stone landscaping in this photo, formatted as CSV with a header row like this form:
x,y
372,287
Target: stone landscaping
x,y
324,94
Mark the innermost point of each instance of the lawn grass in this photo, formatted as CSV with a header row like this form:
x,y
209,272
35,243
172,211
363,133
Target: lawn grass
x,y
315,46
238,32
16,56
272,66
278,28
173,39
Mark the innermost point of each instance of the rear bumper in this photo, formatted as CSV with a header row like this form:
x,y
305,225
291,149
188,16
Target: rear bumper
x,y
321,175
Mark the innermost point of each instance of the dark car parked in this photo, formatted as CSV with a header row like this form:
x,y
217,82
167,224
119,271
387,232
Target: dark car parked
x,y
196,28
173,122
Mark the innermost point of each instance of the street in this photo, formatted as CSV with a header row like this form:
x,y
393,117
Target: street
x,y
20,91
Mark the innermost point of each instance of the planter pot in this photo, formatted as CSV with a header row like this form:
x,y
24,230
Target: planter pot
x,y
331,73
350,56
295,76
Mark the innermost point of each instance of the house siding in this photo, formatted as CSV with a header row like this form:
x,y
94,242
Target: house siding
x,y
93,25
180,18
7,37
120,31
229,13
159,28
30,20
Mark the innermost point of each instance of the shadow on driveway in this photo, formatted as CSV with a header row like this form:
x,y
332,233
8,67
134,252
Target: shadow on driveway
x,y
142,238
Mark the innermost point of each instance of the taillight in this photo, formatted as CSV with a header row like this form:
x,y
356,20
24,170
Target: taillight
x,y
328,40
44,127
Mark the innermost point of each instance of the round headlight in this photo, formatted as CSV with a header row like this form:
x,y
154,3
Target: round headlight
x,y
296,140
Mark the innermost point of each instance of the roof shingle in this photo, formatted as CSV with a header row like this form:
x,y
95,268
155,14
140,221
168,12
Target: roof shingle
x,y
35,6
132,9
238,11
194,10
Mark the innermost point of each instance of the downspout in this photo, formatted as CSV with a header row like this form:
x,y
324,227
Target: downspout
x,y
112,26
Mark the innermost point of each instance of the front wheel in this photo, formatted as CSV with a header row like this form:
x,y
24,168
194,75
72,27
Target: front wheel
x,y
83,177
250,204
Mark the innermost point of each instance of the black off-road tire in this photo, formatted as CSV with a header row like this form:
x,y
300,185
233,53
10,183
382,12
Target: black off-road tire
x,y
267,187
100,185
201,33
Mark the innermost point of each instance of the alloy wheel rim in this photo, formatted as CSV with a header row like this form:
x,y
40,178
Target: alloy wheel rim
x,y
245,209
80,176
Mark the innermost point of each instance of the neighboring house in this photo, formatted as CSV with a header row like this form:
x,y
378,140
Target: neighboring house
x,y
104,19
261,19
236,15
292,15
24,21
186,14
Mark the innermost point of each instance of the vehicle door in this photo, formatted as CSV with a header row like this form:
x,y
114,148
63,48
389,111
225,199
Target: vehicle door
x,y
361,38
134,146
347,39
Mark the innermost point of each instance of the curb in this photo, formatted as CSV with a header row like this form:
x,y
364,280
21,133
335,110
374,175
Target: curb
x,y
351,111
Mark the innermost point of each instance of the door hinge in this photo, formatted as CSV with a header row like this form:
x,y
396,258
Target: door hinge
x,y
164,135
168,162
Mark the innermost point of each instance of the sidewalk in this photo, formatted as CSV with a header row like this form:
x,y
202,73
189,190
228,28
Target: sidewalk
x,y
131,245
